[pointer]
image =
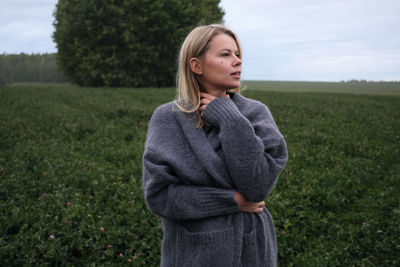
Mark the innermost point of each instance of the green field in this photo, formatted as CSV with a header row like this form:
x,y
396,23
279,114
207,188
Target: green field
x,y
349,87
70,167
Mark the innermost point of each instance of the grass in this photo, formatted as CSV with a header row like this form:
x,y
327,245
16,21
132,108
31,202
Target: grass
x,y
349,87
70,167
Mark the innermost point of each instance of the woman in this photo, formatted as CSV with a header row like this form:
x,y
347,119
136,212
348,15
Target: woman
x,y
211,158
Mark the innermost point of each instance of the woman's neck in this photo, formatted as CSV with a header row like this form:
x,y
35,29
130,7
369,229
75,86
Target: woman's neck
x,y
216,92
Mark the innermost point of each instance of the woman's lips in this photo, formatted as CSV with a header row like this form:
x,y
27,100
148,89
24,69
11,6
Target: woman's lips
x,y
236,74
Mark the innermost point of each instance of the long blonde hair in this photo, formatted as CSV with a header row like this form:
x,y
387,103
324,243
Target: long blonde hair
x,y
196,45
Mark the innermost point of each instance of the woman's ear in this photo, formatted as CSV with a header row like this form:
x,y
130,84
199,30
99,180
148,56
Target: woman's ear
x,y
196,66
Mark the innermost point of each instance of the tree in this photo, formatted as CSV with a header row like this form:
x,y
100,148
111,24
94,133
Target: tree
x,y
126,42
5,77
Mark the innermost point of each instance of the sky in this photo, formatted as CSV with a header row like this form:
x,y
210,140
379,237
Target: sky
x,y
291,40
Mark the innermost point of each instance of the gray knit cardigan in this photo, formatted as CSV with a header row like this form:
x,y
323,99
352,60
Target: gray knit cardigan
x,y
190,176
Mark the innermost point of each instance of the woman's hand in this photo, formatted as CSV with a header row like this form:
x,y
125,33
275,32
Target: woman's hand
x,y
205,99
248,206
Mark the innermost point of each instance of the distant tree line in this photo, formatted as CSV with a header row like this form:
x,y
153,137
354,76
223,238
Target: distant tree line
x,y
354,81
29,68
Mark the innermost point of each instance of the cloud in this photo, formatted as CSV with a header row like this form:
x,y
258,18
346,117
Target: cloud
x,y
282,40
317,40
26,26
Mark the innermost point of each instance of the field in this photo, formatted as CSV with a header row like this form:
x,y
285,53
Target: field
x,y
70,169
348,87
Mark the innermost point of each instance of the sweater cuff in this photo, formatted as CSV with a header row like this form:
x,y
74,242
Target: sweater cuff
x,y
221,110
212,202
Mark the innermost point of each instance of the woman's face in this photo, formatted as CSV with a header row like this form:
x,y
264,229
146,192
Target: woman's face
x,y
220,66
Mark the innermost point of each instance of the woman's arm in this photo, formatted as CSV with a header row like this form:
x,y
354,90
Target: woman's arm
x,y
168,198
254,151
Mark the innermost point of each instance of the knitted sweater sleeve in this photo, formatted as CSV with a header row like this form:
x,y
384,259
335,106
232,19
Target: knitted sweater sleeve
x,y
253,147
165,194
168,198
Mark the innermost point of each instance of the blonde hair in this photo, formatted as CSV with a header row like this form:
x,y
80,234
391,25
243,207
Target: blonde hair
x,y
196,45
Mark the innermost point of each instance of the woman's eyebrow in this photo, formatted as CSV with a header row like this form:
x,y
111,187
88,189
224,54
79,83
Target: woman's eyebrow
x,y
226,49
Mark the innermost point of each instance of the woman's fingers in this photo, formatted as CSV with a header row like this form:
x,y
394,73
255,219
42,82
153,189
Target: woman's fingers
x,y
206,95
258,207
202,107
203,103
253,209
205,99
248,206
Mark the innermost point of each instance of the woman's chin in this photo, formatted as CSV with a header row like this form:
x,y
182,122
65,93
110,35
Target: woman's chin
x,y
235,85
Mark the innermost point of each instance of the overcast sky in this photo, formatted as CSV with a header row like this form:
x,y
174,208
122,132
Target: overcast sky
x,y
314,40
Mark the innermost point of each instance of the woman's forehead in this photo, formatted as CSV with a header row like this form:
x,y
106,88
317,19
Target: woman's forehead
x,y
223,41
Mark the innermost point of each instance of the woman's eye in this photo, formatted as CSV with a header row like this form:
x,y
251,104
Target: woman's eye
x,y
225,54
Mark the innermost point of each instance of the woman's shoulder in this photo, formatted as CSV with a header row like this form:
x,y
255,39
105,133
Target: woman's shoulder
x,y
163,112
249,106
255,111
165,116
162,124
166,107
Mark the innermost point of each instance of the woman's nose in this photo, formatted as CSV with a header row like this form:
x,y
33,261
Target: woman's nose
x,y
237,61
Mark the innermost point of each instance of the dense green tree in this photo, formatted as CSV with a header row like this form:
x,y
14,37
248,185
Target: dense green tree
x,y
126,42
